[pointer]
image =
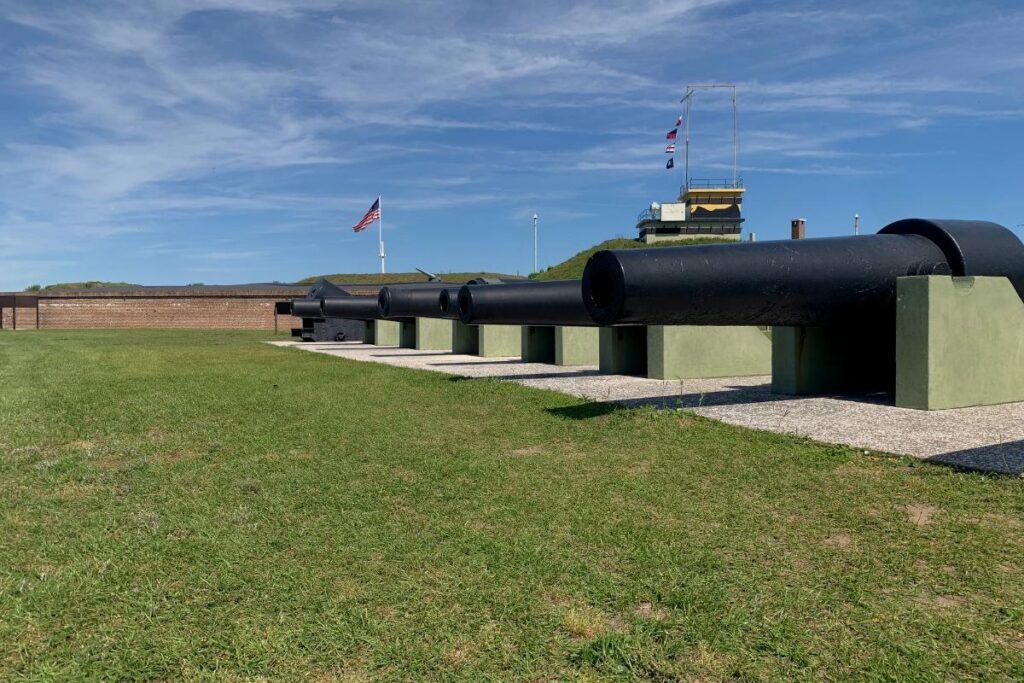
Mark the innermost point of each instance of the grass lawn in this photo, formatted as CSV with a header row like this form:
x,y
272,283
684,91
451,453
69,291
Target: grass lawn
x,y
201,505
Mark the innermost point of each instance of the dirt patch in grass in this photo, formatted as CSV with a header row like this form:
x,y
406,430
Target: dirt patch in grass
x,y
647,610
76,491
584,623
920,515
172,456
642,467
1008,521
942,602
528,450
838,542
404,474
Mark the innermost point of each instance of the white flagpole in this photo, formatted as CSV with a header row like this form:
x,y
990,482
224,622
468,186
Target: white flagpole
x,y
380,231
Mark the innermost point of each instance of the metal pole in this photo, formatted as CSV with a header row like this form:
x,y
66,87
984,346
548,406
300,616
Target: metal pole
x,y
380,231
535,242
735,139
689,113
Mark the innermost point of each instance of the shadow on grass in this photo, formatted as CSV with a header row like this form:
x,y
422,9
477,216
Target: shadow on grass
x,y
585,411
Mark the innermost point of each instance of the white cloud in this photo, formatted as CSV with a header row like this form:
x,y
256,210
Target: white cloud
x,y
136,113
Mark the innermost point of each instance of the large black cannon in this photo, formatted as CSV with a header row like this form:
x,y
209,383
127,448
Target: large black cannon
x,y
412,301
351,307
421,300
307,308
556,302
795,282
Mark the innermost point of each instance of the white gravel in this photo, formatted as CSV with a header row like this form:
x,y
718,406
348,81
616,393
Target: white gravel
x,y
989,438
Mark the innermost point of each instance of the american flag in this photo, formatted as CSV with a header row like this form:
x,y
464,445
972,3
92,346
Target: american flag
x,y
371,215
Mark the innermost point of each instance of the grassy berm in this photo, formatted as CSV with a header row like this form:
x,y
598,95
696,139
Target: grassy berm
x,y
202,505
572,267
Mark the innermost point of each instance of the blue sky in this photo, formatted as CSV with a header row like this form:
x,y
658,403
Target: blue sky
x,y
225,141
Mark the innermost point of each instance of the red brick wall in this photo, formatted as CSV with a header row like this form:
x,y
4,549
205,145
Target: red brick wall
x,y
26,317
180,312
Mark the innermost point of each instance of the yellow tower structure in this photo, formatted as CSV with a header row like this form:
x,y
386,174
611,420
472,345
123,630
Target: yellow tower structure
x,y
706,208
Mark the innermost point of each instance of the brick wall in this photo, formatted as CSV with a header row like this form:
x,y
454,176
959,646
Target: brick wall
x,y
26,317
166,312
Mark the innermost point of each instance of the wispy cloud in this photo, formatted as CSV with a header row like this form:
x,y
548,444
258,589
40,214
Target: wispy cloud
x,y
138,118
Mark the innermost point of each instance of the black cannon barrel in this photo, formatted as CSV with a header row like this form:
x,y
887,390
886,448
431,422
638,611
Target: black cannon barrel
x,y
351,307
306,308
792,282
411,301
448,303
556,302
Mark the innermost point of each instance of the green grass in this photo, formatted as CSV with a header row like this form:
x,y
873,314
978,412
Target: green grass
x,y
572,268
90,284
201,505
378,278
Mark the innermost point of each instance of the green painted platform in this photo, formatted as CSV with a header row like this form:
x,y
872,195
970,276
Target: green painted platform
x,y
427,334
685,351
566,346
382,332
623,351
577,346
959,342
538,344
488,341
828,360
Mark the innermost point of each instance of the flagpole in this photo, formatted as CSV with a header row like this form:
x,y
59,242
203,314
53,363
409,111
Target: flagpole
x,y
380,231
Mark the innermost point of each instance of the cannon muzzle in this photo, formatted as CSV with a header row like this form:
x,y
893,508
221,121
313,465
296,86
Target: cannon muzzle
x,y
448,303
793,282
557,302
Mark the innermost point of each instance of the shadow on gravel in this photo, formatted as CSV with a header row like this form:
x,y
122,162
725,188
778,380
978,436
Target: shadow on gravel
x,y
734,396
1000,458
510,361
406,354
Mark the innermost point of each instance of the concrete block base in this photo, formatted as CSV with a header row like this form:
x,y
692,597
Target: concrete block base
x,y
382,332
577,346
567,346
685,351
826,360
488,341
499,341
538,344
623,351
959,342
691,352
465,338
427,334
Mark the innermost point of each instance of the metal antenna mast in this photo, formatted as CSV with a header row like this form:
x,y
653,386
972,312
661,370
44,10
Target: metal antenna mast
x,y
688,110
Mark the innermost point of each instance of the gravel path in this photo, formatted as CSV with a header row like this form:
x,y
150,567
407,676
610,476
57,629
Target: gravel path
x,y
989,438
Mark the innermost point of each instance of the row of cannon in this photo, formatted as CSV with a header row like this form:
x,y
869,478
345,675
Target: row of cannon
x,y
811,282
